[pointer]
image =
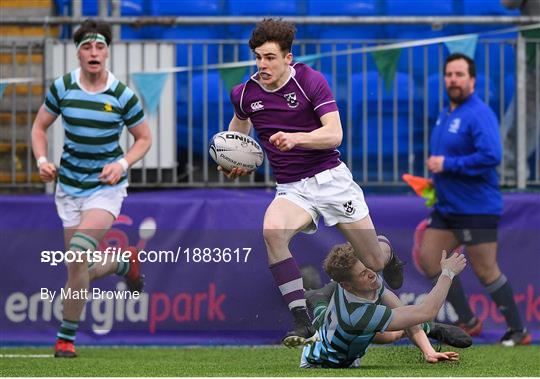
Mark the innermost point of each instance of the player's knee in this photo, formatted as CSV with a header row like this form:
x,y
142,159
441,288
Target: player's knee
x,y
385,246
488,275
275,237
376,262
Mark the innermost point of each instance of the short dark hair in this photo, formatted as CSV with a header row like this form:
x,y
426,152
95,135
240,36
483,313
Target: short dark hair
x,y
93,26
466,58
273,30
339,262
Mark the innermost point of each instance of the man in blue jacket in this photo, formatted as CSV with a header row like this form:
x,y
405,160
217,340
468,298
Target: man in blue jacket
x,y
465,151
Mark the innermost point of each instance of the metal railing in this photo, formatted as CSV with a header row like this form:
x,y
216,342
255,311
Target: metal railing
x,y
386,131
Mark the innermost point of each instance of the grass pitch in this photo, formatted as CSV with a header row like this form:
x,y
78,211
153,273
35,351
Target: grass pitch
x,y
261,361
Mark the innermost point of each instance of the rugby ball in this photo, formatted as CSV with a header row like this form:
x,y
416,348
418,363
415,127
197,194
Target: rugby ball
x,y
234,149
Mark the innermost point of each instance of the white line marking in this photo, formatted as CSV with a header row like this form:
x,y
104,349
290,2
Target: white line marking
x,y
26,355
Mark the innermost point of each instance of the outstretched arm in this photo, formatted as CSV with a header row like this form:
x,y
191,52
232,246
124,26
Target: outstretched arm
x,y
415,333
419,338
410,315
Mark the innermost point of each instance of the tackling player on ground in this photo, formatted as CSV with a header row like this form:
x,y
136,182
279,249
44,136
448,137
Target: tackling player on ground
x,y
92,179
356,310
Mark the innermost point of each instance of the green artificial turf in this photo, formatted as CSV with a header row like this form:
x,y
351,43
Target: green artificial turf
x,y
263,361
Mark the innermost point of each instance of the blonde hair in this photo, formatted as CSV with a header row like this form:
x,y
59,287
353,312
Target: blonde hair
x,y
339,262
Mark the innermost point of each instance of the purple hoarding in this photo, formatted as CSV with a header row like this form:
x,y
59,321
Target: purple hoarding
x,y
207,276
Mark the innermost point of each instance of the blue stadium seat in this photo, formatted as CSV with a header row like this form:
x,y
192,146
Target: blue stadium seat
x,y
348,32
134,8
372,80
191,8
90,8
213,78
486,8
127,7
387,146
270,8
417,32
494,56
194,33
344,8
264,8
419,8
387,121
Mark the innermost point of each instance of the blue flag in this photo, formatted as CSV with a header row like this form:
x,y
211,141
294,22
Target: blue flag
x,y
465,46
2,88
150,86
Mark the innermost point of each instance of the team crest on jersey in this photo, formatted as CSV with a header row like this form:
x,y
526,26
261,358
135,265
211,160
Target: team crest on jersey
x,y
291,99
257,106
349,209
107,107
454,125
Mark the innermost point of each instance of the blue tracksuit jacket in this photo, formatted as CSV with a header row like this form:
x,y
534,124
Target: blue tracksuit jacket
x,y
469,139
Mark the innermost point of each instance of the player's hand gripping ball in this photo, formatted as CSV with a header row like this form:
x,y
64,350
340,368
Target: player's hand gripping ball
x,y
234,149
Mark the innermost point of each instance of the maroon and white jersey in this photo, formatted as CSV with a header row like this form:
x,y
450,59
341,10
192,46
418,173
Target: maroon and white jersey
x,y
296,106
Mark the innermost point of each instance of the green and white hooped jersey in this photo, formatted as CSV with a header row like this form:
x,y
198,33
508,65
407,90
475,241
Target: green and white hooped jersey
x,y
93,123
346,325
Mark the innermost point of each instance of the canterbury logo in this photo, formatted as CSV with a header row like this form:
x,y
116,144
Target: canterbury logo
x,y
257,105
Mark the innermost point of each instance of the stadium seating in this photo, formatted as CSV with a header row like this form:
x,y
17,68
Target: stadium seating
x,y
484,8
348,8
418,8
402,97
191,8
435,58
213,79
261,8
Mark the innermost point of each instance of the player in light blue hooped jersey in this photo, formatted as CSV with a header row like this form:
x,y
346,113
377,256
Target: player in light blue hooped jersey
x,y
92,178
356,310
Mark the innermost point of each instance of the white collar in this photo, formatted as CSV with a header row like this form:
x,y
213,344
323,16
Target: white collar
x,y
292,72
110,80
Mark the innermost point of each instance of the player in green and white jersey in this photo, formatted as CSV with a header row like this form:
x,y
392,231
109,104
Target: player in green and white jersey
x,y
92,177
356,310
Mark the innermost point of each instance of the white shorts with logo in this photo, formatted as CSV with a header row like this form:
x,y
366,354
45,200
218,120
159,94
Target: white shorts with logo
x,y
332,194
70,207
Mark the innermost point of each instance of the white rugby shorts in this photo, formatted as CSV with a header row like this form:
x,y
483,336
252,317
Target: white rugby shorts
x,y
332,194
70,207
